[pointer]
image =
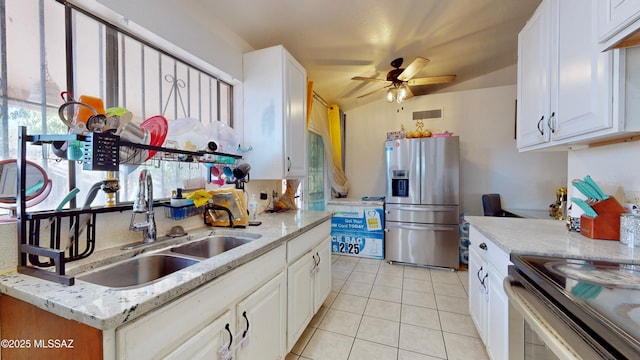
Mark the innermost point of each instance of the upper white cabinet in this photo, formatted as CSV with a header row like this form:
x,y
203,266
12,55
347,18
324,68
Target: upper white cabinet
x,y
617,20
565,83
274,101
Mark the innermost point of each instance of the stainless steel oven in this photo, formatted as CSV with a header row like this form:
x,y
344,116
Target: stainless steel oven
x,y
573,309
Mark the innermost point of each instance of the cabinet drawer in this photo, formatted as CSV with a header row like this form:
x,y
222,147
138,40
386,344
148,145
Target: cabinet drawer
x,y
489,251
307,241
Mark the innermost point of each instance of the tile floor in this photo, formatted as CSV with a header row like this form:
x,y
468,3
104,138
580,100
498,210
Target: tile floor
x,y
378,311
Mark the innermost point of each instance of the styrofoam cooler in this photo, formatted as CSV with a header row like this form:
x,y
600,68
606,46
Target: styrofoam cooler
x,y
357,228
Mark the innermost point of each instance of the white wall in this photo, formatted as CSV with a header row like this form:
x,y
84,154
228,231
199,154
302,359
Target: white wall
x,y
615,168
484,119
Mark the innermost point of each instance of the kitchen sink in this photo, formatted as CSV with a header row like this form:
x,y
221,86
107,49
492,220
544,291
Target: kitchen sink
x,y
213,245
137,271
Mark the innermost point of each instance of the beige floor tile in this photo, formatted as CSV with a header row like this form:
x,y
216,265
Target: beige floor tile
x,y
350,303
370,261
367,268
418,273
452,304
420,316
449,290
325,345
317,318
356,288
386,293
422,340
409,355
389,280
383,309
445,276
417,298
336,285
418,285
366,350
392,270
379,331
458,324
338,274
341,322
460,347
353,259
363,277
298,348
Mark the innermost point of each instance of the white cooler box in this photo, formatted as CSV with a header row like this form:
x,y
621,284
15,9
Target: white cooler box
x,y
357,228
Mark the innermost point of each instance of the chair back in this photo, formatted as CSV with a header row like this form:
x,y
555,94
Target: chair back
x,y
491,205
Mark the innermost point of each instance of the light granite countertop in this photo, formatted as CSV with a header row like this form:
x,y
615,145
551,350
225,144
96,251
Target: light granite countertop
x,y
106,308
550,238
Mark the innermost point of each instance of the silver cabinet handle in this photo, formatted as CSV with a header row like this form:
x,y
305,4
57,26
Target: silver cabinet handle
x,y
540,129
550,123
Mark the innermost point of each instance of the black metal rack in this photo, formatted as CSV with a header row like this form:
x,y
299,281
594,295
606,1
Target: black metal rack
x,y
81,222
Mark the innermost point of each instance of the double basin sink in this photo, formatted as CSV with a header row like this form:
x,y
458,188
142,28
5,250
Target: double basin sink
x,y
146,269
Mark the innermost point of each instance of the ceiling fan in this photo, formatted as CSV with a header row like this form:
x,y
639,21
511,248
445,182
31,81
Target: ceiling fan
x,y
400,80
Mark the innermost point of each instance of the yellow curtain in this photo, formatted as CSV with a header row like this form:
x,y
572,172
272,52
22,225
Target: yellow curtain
x,y
309,100
333,113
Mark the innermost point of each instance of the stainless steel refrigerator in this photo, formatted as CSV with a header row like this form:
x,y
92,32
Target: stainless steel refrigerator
x,y
421,222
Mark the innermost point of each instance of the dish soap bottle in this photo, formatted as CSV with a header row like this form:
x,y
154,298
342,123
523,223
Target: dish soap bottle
x,y
178,206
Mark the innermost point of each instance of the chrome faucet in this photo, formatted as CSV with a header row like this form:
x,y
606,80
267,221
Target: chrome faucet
x,y
144,205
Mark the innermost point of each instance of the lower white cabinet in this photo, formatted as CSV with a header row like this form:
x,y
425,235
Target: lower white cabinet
x,y
309,279
263,316
488,266
198,324
257,311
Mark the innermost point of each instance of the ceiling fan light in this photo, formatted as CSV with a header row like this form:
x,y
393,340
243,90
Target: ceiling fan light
x,y
391,95
402,93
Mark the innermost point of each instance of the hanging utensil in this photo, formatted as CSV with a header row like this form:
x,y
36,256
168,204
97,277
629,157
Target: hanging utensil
x,y
64,201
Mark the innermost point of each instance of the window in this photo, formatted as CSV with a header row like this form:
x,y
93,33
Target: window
x,y
103,61
315,172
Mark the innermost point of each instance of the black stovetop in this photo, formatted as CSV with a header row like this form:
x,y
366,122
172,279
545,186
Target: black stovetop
x,y
603,296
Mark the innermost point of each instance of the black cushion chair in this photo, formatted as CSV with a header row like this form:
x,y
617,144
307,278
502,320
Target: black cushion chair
x,y
492,206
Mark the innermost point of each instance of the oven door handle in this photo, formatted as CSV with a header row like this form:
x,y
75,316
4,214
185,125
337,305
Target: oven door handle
x,y
556,334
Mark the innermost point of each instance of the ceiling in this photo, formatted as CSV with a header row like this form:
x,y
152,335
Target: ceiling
x,y
336,40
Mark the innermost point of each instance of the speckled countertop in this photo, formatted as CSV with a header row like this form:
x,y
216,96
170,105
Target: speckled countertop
x,y
549,238
105,308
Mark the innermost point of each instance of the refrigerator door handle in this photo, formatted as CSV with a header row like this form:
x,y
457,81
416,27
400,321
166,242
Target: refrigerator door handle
x,y
425,208
423,227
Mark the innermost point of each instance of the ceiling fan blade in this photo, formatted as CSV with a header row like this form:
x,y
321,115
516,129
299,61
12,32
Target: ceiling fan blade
x,y
410,71
373,92
431,80
368,79
409,93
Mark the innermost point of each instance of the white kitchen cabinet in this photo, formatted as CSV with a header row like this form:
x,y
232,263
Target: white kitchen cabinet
x,y
274,98
264,313
488,266
309,279
565,83
201,317
617,19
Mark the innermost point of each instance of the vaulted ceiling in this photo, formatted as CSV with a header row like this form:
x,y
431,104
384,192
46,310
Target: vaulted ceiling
x,y
336,40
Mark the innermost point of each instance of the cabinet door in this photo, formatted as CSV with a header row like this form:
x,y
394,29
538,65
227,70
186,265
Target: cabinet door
x,y
534,78
322,278
206,343
264,314
295,118
300,297
477,291
615,15
581,73
497,339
